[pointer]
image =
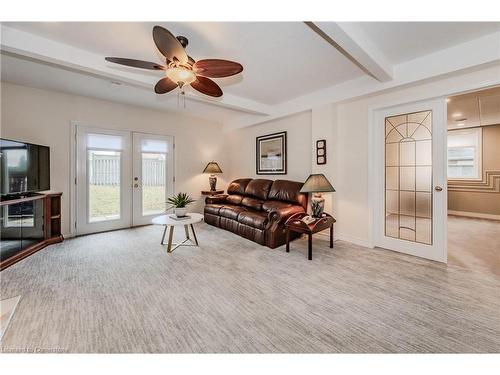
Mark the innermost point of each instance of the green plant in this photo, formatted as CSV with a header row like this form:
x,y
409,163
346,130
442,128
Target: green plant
x,y
180,200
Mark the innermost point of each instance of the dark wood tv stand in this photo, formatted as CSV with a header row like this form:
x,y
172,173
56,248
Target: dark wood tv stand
x,y
26,233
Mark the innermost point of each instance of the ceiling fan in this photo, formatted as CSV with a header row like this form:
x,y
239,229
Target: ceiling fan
x,y
180,69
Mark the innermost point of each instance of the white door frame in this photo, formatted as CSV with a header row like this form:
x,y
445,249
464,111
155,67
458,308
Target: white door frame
x,y
438,251
73,197
137,217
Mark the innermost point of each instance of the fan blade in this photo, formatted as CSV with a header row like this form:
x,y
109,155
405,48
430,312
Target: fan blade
x,y
168,45
165,85
206,86
136,63
215,68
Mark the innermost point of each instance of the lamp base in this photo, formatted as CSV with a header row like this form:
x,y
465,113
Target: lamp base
x,y
212,180
317,205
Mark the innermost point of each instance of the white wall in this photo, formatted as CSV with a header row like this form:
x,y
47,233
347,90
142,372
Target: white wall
x,y
44,117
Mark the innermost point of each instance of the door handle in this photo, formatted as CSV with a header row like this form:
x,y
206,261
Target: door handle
x,y
438,188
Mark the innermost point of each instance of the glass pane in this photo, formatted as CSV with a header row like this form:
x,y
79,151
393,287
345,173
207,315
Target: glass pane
x,y
391,178
407,176
104,169
153,183
408,179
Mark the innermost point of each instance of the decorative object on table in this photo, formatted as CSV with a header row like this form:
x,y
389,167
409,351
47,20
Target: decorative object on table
x,y
317,184
212,168
179,202
295,223
174,217
171,222
321,152
271,153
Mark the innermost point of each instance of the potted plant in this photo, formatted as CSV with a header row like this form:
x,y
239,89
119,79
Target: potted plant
x,y
179,202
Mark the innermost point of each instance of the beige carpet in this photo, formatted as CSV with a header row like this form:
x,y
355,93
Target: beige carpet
x,y
121,292
474,244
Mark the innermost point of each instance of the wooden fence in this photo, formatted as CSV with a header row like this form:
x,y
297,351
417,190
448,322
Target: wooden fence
x,y
105,170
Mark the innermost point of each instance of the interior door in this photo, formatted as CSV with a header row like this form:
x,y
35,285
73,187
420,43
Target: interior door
x,y
103,180
152,176
410,179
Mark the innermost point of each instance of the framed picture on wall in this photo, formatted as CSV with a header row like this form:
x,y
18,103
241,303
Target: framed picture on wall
x,y
271,153
321,151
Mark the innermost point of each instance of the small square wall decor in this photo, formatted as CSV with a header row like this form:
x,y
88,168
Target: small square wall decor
x,y
321,151
271,154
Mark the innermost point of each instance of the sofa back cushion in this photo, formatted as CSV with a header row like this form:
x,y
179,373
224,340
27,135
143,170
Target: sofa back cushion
x,y
238,186
258,188
252,203
288,191
234,199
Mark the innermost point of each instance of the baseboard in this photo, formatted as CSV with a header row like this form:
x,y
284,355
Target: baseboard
x,y
474,215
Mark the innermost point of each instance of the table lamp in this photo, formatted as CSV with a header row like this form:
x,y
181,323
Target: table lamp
x,y
317,184
212,168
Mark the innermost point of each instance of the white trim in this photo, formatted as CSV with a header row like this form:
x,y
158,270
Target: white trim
x,y
72,177
474,214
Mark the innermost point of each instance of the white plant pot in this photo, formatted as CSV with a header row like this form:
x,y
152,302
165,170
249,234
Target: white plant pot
x,y
180,212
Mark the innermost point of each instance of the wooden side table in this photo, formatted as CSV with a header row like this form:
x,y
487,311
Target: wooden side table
x,y
295,224
210,192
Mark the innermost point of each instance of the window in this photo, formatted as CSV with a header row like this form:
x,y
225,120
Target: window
x,y
464,154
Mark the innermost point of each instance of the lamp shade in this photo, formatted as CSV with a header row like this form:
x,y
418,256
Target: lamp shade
x,y
316,183
212,167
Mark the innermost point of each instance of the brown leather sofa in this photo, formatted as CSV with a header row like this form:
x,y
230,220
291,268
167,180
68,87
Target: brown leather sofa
x,y
257,209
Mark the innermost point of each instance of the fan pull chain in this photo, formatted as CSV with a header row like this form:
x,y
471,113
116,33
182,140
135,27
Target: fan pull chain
x,y
181,99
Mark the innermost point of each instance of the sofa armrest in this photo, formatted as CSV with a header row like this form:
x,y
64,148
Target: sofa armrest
x,y
221,198
280,216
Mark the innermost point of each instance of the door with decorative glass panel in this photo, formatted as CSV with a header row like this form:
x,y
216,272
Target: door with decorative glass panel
x,y
122,178
410,179
152,176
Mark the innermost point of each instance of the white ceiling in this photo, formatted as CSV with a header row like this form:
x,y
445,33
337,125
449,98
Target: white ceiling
x,y
288,66
46,76
404,41
281,60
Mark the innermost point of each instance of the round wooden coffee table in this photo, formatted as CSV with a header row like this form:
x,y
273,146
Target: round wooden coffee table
x,y
171,222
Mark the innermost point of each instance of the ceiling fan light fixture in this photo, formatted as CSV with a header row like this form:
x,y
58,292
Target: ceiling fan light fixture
x,y
180,75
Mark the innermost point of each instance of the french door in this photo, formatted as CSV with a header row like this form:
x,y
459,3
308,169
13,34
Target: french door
x,y
152,176
410,201
122,178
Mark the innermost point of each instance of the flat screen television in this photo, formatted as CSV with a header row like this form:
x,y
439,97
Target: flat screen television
x,y
24,167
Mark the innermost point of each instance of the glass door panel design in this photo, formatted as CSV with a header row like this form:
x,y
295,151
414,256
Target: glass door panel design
x,y
408,177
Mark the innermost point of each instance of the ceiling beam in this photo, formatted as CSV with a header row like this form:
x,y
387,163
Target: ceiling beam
x,y
352,42
23,44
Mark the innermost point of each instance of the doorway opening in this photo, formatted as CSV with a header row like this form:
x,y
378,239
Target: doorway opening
x,y
473,171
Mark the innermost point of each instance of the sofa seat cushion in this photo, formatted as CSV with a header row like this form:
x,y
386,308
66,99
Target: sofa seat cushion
x,y
275,205
253,219
234,199
255,204
231,211
213,208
